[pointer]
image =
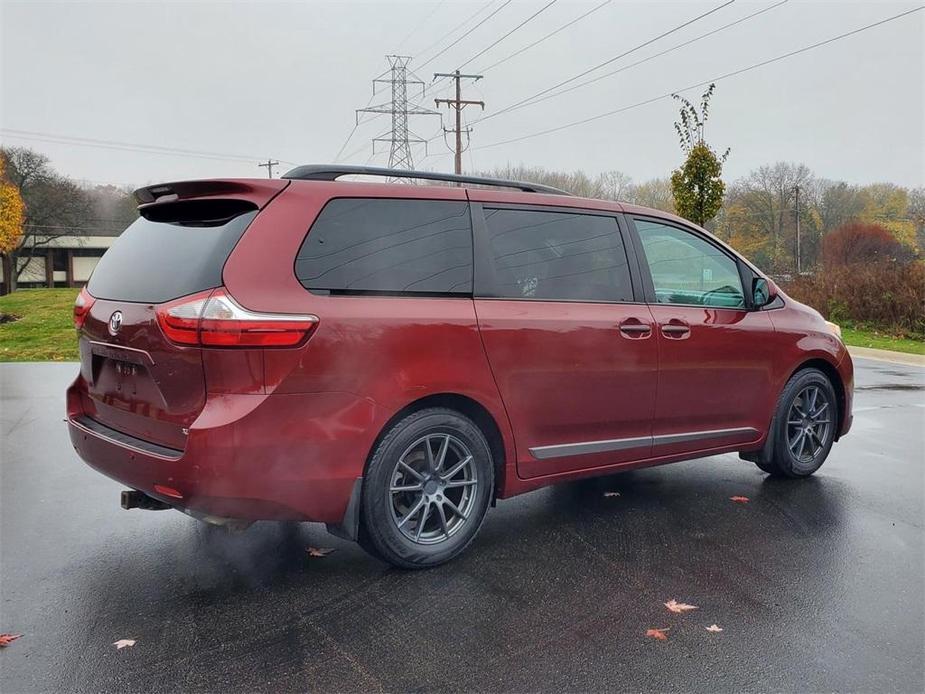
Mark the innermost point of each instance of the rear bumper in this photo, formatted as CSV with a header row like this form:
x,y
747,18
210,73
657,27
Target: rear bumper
x,y
250,457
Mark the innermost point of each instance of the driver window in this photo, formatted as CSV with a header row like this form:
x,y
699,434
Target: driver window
x,y
688,270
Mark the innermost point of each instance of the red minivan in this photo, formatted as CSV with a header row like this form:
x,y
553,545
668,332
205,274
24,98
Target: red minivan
x,y
391,359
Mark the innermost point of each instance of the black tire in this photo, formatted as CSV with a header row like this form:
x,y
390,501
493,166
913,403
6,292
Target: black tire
x,y
801,444
388,528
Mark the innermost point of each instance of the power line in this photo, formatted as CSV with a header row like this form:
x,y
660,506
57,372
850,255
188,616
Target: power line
x,y
458,103
422,24
547,36
464,35
34,138
438,81
651,57
606,62
527,20
429,87
357,124
355,152
458,26
129,146
705,82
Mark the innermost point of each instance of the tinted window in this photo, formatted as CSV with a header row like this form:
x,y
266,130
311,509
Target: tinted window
x,y
686,269
389,246
557,256
152,262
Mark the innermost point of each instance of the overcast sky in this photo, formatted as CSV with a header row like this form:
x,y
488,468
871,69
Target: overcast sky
x,y
276,80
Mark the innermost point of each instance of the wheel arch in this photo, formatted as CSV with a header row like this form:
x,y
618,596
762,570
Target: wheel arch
x,y
831,372
466,406
350,526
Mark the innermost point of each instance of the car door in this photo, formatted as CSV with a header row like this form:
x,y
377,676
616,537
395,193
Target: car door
x,y
715,353
569,339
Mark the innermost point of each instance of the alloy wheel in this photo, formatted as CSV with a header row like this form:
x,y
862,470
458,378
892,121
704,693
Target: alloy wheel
x,y
809,424
433,488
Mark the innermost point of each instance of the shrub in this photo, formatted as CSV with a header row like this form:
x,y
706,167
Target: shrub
x,y
888,296
857,242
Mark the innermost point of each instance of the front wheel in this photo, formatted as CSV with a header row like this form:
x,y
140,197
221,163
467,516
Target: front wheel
x,y
427,488
804,426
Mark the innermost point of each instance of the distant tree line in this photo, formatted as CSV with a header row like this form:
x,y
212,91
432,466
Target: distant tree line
x,y
758,212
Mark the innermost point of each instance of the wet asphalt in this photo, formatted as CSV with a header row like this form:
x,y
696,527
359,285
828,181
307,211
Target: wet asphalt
x,y
818,585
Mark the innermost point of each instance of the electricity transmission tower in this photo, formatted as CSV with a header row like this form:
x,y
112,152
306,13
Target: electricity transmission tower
x,y
459,104
400,137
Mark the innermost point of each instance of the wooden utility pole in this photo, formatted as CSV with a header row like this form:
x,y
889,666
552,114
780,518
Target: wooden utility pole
x,y
796,190
269,164
459,104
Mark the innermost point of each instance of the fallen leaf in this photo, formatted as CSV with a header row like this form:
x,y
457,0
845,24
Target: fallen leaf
x,y
611,493
319,551
713,628
679,607
658,633
7,639
739,499
123,643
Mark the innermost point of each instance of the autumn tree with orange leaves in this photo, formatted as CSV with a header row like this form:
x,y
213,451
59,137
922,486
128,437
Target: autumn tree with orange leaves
x,y
12,212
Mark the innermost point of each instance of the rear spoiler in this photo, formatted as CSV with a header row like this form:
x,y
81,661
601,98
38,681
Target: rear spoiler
x,y
255,191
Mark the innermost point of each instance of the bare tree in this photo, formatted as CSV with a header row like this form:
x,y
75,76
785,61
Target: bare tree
x,y
837,202
655,193
613,185
917,215
766,197
55,206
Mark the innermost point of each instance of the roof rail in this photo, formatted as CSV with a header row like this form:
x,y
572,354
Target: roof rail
x,y
331,172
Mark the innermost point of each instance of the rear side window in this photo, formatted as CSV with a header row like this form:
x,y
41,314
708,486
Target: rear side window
x,y
557,256
388,246
156,261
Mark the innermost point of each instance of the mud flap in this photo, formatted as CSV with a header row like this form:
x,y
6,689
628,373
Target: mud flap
x,y
764,454
349,527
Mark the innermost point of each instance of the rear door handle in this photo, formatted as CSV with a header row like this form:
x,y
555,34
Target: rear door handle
x,y
632,327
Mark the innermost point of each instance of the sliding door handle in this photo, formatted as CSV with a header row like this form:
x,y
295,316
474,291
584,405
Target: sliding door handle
x,y
634,328
675,329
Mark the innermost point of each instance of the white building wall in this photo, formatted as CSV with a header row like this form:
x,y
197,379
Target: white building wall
x,y
83,267
34,270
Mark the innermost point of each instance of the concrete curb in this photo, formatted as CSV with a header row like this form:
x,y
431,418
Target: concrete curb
x,y
887,356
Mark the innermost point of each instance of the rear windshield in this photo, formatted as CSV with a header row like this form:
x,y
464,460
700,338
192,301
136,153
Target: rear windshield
x,y
153,262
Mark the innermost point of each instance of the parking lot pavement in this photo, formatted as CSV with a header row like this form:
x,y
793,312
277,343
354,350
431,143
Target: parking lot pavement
x,y
817,585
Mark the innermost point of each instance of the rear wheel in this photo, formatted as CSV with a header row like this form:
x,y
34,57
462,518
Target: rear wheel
x,y
804,426
427,488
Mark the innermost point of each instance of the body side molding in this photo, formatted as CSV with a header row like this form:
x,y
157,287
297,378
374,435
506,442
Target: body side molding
x,y
585,447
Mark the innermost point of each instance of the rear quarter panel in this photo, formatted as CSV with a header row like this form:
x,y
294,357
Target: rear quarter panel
x,y
391,351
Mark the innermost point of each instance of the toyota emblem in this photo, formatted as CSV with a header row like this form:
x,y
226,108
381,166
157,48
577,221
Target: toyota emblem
x,y
115,322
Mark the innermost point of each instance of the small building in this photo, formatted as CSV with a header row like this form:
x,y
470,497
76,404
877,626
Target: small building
x,y
63,260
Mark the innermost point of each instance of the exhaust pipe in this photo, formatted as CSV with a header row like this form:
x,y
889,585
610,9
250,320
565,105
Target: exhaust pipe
x,y
132,498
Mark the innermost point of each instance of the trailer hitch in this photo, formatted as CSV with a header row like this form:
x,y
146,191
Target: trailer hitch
x,y
132,498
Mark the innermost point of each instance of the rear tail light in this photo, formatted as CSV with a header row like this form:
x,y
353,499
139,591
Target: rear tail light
x,y
82,307
214,319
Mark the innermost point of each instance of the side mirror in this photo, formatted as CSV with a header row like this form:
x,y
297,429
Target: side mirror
x,y
762,292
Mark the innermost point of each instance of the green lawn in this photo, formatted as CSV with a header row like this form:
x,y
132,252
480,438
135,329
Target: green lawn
x,y
45,330
871,338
